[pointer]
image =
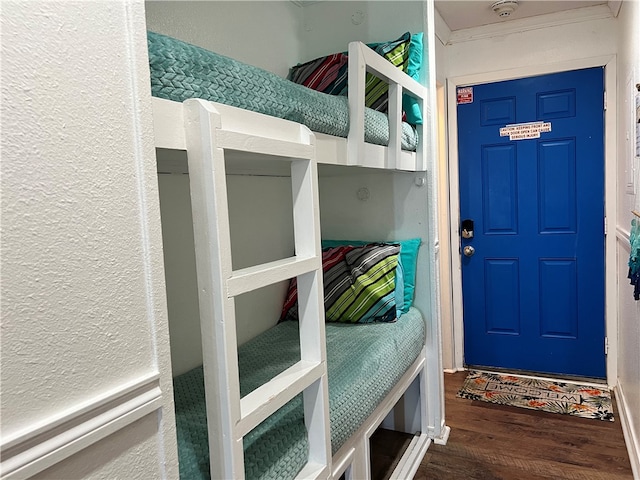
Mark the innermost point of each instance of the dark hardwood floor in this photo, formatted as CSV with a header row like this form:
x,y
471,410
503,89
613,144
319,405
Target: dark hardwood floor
x,y
490,442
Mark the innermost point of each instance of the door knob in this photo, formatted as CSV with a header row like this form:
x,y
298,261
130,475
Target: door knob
x,y
468,251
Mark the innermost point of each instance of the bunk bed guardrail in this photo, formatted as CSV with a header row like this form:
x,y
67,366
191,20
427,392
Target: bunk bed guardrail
x,y
169,131
363,59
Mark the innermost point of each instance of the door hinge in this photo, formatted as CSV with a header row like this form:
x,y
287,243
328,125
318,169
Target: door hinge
x,y
605,99
606,345
605,226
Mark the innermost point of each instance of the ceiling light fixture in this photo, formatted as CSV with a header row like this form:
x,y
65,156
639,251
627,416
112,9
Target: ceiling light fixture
x,y
504,8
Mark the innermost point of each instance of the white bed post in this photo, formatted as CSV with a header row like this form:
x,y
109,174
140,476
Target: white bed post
x,y
230,417
432,383
356,85
395,125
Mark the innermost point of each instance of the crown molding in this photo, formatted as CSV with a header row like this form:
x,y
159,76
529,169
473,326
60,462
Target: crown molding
x,y
532,23
304,3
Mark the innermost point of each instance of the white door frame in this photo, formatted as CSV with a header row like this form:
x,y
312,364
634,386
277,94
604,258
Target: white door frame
x,y
611,310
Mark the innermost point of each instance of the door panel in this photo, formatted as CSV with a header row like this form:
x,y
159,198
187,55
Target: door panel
x,y
533,291
502,295
557,186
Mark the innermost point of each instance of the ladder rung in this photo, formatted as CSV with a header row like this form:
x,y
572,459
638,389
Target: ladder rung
x,y
268,398
251,278
263,145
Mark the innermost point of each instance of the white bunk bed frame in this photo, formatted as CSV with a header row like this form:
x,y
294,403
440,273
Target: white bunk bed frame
x,y
205,130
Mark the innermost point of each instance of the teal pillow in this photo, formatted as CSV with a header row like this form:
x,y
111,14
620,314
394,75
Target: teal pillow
x,y
414,68
408,261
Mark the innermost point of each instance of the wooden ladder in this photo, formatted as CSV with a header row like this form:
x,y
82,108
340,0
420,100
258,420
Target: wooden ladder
x,y
208,134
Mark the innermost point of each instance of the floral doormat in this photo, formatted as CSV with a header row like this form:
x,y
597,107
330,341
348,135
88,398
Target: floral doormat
x,y
556,397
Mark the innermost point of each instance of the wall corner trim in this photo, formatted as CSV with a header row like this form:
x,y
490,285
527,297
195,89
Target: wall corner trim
x,y
615,5
442,30
630,435
46,443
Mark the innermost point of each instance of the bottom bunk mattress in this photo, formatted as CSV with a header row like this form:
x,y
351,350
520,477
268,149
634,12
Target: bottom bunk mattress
x,y
364,362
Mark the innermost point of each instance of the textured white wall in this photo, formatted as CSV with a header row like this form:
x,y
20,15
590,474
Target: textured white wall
x,y
629,310
83,303
328,27
260,33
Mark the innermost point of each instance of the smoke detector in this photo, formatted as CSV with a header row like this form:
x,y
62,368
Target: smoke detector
x,y
504,8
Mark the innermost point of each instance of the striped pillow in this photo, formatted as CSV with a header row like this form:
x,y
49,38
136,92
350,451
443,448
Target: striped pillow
x,y
376,90
359,284
325,74
329,74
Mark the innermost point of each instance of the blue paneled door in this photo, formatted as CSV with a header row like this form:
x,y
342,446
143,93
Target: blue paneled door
x,y
531,155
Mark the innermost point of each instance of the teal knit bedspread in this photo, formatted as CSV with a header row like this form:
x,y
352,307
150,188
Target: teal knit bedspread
x,y
180,71
364,362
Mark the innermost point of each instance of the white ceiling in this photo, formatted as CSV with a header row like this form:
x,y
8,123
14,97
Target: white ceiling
x,y
461,14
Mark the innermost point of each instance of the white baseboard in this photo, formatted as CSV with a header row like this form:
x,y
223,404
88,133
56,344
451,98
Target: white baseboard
x,y
453,370
444,436
630,435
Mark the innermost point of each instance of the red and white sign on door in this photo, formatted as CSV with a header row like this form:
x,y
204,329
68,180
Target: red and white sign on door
x,y
465,95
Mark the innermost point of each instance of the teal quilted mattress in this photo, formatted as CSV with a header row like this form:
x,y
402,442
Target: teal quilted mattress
x,y
364,362
180,71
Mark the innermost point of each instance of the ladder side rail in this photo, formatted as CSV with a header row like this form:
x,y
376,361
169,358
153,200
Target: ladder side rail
x,y
306,224
217,311
306,220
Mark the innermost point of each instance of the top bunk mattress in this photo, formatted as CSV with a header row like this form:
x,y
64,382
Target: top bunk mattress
x,y
364,362
180,71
